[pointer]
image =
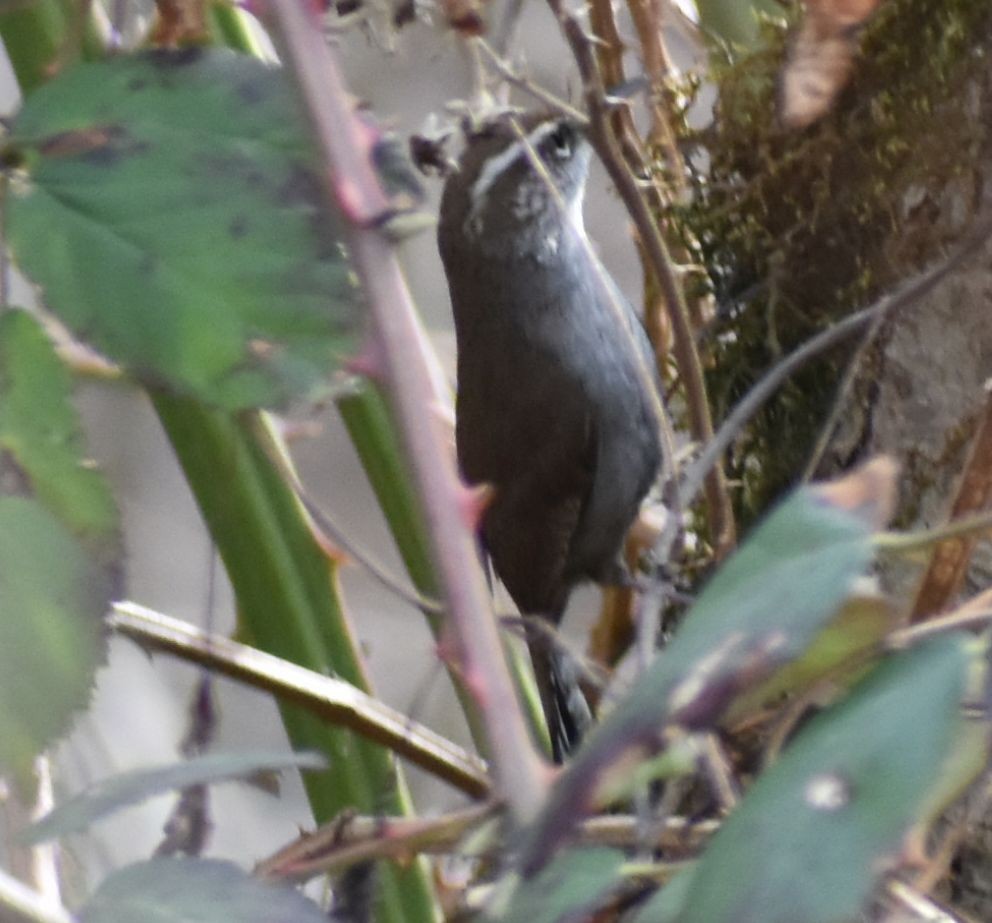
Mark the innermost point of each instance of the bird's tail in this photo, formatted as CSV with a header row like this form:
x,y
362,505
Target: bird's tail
x,y
565,705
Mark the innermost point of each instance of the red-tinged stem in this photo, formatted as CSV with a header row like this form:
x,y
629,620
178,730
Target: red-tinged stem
x,y
354,191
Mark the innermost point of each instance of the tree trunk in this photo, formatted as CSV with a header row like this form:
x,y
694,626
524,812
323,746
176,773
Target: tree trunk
x,y
799,229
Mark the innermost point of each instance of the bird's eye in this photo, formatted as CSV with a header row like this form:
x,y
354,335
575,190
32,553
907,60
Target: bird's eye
x,y
561,141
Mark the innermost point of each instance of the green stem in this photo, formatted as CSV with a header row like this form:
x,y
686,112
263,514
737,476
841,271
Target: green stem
x,y
289,605
370,426
285,587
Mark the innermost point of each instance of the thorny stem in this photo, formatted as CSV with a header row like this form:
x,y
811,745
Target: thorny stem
x,y
649,21
349,840
609,56
719,510
354,191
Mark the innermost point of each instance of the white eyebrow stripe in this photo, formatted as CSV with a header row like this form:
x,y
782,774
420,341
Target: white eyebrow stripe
x,y
497,165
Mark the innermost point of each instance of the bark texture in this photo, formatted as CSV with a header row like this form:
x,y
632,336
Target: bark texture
x,y
799,229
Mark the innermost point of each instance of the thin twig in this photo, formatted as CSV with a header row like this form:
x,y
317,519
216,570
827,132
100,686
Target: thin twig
x,y
353,190
332,699
545,97
751,403
648,18
909,542
505,29
719,510
901,298
332,539
959,621
974,613
609,49
720,773
323,523
883,309
350,839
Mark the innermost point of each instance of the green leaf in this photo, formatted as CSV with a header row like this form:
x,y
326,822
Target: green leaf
x,y
570,888
668,902
735,21
195,891
168,208
41,444
811,837
59,547
52,601
857,630
762,609
130,788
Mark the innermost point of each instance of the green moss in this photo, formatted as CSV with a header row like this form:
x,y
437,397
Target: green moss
x,y
799,228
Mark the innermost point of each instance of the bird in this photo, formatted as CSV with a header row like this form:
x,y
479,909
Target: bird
x,y
557,391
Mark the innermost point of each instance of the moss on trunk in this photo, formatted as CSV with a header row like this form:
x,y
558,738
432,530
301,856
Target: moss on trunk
x,y
800,228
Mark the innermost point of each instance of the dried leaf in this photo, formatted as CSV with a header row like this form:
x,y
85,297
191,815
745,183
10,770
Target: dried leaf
x,y
820,58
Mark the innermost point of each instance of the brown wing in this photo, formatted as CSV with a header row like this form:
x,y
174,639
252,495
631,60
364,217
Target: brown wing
x,y
539,455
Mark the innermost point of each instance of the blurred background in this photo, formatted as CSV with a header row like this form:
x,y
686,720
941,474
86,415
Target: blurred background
x,y
138,714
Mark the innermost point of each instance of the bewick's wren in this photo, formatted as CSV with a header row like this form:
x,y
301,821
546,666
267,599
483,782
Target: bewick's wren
x,y
553,409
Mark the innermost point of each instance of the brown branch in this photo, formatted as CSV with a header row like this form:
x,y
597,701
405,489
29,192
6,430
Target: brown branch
x,y
649,22
719,510
350,839
948,566
353,191
332,699
609,50
766,386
